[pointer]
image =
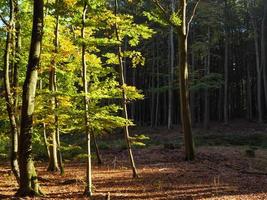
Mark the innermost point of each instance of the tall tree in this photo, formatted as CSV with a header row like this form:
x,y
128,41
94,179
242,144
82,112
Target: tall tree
x,y
124,97
264,48
182,24
28,177
256,36
55,159
226,62
171,72
207,92
10,87
183,31
88,189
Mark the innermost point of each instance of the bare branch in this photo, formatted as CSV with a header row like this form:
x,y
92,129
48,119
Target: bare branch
x,y
192,16
160,7
3,20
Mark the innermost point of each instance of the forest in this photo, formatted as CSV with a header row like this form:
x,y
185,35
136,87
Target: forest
x,y
133,99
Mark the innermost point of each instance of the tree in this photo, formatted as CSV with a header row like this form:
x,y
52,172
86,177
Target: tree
x,y
28,177
10,86
226,62
88,189
258,66
124,97
171,72
264,48
55,158
182,25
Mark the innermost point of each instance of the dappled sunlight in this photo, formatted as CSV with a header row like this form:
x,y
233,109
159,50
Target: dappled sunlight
x,y
223,177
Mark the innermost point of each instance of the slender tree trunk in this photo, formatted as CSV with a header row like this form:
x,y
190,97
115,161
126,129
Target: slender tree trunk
x,y
28,177
157,92
171,73
55,160
45,141
10,101
17,58
133,103
152,113
219,106
184,91
259,71
193,93
98,155
263,49
226,61
249,96
55,88
207,103
124,99
88,189
225,105
258,65
46,145
60,158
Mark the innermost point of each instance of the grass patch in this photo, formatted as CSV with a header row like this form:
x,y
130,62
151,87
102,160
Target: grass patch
x,y
254,140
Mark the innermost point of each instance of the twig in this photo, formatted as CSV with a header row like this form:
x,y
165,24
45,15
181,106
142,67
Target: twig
x,y
192,16
3,20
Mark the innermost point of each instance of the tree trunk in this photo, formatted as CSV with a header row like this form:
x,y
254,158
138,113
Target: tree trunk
x,y
152,111
171,73
193,93
124,99
259,71
10,100
99,159
249,96
56,160
60,159
207,103
258,65
157,92
17,58
133,103
184,93
226,61
28,177
53,161
45,141
59,154
88,189
263,49
225,105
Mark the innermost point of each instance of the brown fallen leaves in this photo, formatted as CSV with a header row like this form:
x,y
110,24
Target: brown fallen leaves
x,y
217,173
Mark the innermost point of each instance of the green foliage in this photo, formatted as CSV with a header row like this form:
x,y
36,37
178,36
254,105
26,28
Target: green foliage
x,y
156,18
174,18
4,146
210,81
139,140
254,140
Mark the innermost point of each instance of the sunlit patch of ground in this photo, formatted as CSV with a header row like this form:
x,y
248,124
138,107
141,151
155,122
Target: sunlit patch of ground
x,y
217,173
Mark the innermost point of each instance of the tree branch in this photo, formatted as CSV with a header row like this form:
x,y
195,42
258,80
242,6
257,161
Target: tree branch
x,y
3,20
192,16
164,12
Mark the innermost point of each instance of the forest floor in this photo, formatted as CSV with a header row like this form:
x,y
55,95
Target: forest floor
x,y
225,171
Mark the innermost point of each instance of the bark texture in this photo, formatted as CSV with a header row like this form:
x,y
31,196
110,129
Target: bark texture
x,y
28,178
